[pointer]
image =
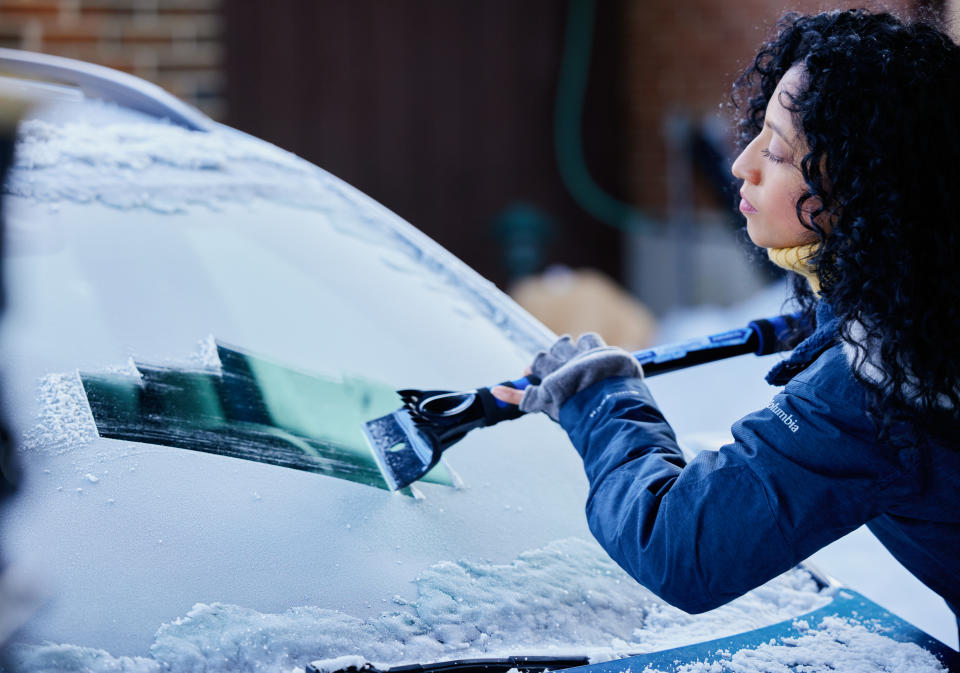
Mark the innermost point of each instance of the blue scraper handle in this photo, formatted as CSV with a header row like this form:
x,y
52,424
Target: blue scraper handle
x,y
410,441
761,337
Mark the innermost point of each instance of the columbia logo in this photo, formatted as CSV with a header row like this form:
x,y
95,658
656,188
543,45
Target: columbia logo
x,y
783,416
614,396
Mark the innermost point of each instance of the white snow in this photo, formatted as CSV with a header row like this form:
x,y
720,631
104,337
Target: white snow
x,y
339,664
65,421
567,598
836,644
207,356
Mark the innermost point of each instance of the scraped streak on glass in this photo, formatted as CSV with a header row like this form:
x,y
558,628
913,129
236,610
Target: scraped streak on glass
x,y
249,407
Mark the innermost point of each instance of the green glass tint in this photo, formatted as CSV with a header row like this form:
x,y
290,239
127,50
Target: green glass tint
x,y
250,408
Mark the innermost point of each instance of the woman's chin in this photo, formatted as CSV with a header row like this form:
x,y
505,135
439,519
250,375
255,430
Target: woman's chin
x,y
757,237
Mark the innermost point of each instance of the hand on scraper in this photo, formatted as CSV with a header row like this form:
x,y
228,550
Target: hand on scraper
x,y
566,369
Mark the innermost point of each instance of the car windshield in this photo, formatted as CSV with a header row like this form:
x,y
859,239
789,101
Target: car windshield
x,y
198,325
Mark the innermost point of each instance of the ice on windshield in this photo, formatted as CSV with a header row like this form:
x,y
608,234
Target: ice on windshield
x,y
160,167
251,408
568,598
167,169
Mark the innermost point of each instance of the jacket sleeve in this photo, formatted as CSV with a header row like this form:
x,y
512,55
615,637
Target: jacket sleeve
x,y
800,473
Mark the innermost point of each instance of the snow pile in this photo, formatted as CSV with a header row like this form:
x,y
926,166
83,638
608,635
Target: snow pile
x,y
566,599
836,644
207,356
340,664
65,421
160,167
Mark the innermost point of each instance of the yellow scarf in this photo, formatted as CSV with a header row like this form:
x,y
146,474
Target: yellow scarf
x,y
796,259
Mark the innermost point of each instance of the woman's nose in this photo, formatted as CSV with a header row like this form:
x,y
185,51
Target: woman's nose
x,y
745,167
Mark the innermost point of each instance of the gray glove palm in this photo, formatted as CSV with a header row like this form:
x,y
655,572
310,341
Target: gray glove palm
x,y
567,368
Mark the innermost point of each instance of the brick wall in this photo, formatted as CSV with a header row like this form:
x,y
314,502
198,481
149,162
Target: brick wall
x,y
684,56
177,44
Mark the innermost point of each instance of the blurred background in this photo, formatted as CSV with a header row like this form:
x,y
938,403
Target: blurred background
x,y
588,139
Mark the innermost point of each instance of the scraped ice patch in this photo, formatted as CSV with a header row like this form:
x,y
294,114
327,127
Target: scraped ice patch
x,y
128,369
159,167
65,421
207,356
836,644
568,598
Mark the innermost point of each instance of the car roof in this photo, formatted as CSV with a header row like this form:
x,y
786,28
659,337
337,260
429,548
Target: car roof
x,y
45,76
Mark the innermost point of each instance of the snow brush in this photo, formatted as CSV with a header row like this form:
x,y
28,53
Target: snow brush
x,y
409,442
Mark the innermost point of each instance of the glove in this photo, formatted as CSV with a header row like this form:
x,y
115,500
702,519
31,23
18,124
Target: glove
x,y
566,369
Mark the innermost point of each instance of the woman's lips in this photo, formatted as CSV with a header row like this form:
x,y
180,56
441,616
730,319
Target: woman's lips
x,y
746,206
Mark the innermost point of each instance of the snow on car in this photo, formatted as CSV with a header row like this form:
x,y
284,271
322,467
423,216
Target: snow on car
x,y
198,325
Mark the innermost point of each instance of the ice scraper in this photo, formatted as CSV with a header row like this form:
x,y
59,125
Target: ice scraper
x,y
410,441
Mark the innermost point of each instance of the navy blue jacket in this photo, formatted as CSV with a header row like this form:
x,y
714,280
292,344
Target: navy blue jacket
x,y
801,473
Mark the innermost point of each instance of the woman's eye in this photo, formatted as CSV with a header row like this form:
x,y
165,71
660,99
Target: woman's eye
x,y
772,157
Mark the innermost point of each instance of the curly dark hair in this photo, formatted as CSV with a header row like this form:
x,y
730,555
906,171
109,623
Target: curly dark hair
x,y
879,108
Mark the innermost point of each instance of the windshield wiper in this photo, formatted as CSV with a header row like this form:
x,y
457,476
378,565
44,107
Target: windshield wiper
x,y
492,665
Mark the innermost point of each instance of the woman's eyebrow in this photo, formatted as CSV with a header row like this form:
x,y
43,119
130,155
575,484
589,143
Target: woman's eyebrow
x,y
778,131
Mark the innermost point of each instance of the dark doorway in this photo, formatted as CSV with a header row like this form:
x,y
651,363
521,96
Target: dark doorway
x,y
442,110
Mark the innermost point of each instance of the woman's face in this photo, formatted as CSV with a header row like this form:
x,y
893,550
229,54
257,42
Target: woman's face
x,y
769,168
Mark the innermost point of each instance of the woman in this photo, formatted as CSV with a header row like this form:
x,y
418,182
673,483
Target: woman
x,y
851,158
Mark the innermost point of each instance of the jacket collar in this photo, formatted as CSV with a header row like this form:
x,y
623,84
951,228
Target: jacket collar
x,y
808,350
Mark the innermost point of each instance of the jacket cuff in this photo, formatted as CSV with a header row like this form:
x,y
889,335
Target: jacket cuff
x,y
585,407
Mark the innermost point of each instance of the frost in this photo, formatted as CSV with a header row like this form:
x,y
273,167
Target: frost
x,y
129,368
568,598
837,644
167,169
163,168
65,421
207,356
